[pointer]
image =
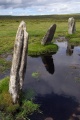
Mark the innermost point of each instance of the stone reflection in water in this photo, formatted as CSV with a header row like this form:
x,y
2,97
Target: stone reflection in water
x,y
70,48
48,63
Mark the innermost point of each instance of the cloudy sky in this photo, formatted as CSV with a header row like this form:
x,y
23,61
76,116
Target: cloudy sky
x,y
38,7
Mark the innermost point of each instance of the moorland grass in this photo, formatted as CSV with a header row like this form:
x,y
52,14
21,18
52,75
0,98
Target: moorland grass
x,y
37,27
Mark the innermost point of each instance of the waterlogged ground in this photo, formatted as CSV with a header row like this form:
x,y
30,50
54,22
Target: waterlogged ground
x,y
54,81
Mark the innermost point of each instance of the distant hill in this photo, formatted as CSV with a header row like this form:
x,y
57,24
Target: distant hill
x,y
61,17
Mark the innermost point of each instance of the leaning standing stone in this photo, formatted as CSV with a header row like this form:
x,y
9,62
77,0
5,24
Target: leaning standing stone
x,y
49,35
71,25
19,62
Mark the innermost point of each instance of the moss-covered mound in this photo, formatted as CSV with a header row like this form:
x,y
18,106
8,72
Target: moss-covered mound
x,y
36,49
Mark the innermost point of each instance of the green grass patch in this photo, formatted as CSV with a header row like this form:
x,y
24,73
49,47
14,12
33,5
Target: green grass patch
x,y
36,49
75,41
11,111
75,35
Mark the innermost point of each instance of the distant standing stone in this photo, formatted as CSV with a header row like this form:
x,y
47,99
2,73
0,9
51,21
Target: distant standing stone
x,y
71,25
49,35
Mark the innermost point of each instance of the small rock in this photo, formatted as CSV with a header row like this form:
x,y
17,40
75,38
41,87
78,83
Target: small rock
x,y
49,118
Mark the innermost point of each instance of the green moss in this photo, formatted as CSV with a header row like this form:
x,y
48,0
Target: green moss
x,y
36,49
35,75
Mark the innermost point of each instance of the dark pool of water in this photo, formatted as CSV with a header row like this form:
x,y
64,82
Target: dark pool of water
x,y
57,87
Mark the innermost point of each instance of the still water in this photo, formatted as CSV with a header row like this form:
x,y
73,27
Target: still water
x,y
57,86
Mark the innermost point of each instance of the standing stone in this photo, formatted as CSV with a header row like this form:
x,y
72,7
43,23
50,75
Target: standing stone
x,y
19,62
49,35
71,25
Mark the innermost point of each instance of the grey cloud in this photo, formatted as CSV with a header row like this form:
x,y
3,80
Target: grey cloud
x,y
34,7
15,4
28,3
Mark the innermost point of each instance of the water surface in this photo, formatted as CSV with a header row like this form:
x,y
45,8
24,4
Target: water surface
x,y
57,88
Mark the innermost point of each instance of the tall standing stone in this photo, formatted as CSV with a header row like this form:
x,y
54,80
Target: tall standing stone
x,y
19,62
71,25
49,35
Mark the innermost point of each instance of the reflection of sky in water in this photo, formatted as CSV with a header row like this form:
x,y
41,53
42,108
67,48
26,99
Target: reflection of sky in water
x,y
65,79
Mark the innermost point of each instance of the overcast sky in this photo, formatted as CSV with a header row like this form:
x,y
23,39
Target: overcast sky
x,y
38,7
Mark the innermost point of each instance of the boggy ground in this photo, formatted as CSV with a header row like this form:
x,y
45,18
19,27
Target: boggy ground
x,y
37,28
